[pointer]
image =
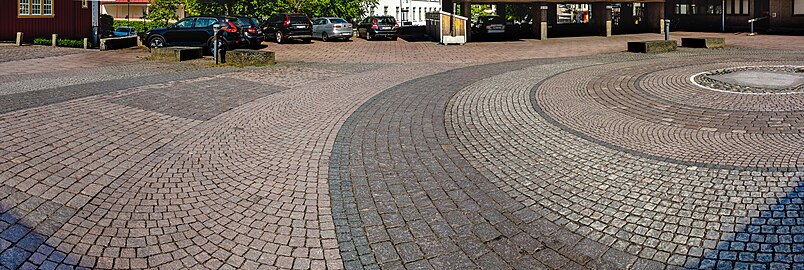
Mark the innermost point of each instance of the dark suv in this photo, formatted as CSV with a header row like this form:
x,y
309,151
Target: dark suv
x,y
489,25
197,31
289,26
252,30
378,26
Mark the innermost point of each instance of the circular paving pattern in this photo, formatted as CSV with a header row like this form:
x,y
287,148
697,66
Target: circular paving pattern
x,y
754,79
615,161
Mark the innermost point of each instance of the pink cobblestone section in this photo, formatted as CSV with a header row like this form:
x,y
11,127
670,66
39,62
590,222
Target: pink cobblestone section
x,y
246,189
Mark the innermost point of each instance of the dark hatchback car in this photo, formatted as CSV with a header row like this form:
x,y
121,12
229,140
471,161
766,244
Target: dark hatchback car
x,y
284,27
489,25
197,31
378,26
252,30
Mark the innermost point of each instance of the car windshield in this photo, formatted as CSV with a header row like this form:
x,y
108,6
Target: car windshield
x,y
245,22
386,20
338,20
299,18
491,19
122,29
255,22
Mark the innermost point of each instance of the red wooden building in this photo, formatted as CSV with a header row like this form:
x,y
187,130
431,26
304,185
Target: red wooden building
x,y
41,18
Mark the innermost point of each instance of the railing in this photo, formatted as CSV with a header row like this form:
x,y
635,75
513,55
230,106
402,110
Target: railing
x,y
751,21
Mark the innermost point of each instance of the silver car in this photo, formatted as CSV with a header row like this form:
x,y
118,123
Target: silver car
x,y
331,28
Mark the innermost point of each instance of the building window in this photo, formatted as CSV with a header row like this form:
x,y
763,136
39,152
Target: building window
x,y
574,13
798,7
685,9
35,8
737,7
713,9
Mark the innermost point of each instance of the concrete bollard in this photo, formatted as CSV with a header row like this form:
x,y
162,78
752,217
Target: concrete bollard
x,y
53,40
86,43
19,38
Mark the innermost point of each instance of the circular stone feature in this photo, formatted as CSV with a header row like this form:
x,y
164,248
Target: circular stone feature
x,y
756,80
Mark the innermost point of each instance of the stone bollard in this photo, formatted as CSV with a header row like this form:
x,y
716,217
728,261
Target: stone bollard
x,y
19,38
53,40
86,43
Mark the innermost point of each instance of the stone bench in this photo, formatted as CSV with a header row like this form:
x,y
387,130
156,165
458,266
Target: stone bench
x,y
247,57
118,43
652,46
176,54
704,42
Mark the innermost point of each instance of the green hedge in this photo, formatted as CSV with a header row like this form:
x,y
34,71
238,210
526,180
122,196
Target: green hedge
x,y
75,43
140,26
44,41
70,43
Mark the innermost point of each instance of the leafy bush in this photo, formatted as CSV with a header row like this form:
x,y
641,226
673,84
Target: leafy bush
x,y
140,26
70,43
44,41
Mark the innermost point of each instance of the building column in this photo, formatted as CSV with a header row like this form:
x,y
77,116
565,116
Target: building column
x,y
466,11
539,24
446,6
654,15
601,15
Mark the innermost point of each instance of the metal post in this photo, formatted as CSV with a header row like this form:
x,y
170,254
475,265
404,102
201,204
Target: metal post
x,y
666,29
216,28
723,16
128,9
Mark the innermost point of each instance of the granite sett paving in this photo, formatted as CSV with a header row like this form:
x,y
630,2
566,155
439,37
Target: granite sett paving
x,y
399,155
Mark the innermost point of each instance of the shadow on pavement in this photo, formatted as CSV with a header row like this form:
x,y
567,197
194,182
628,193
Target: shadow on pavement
x,y
773,240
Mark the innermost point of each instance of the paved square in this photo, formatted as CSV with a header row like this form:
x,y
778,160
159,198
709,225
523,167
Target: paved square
x,y
406,155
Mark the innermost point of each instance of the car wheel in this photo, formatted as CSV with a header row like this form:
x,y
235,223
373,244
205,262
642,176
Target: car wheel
x,y
393,38
221,46
156,42
279,37
324,36
346,39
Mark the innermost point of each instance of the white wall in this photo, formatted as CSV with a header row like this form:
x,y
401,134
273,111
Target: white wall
x,y
416,9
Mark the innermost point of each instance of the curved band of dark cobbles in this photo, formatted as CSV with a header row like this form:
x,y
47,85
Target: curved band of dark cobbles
x,y
470,168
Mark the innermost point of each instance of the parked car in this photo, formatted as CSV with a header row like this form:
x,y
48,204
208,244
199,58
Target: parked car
x,y
489,25
332,28
197,31
285,27
124,31
378,26
252,30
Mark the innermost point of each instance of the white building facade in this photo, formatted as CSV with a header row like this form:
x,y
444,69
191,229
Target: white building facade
x,y
406,12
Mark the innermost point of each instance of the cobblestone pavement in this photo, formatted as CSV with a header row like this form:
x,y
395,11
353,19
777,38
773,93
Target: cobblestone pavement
x,y
505,165
610,161
401,51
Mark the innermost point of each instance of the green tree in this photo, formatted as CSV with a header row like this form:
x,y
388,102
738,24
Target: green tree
x,y
349,9
480,10
164,10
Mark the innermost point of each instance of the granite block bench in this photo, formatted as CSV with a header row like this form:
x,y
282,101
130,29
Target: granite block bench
x,y
704,42
176,54
652,46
